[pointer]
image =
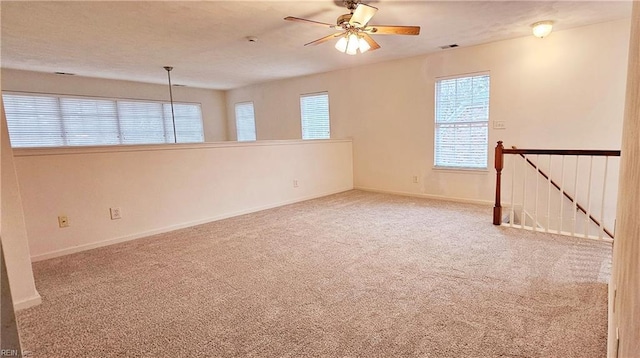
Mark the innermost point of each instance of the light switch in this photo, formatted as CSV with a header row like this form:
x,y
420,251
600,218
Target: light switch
x,y
499,125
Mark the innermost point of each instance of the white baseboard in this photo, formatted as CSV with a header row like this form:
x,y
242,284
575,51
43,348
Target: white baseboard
x,y
28,302
93,245
427,196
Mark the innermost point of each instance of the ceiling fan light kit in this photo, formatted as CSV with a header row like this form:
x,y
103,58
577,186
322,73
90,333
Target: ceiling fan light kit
x,y
355,30
351,44
363,45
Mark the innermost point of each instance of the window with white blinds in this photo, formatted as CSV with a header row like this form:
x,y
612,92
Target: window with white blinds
x,y
188,118
462,122
314,114
41,120
245,122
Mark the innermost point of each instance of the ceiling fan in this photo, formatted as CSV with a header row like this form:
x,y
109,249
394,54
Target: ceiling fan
x,y
355,30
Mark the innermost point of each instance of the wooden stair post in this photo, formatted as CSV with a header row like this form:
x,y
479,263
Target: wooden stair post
x,y
497,209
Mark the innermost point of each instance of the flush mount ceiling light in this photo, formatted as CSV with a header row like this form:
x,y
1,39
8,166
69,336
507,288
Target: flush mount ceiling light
x,y
542,29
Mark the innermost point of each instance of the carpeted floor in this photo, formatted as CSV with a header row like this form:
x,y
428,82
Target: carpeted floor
x,y
355,274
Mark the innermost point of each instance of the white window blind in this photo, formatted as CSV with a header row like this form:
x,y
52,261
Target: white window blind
x,y
88,121
314,114
462,122
245,122
143,123
56,121
34,121
189,128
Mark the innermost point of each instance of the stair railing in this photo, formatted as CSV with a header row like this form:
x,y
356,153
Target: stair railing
x,y
498,219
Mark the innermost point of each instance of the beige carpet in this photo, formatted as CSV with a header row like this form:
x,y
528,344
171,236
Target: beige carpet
x,y
355,274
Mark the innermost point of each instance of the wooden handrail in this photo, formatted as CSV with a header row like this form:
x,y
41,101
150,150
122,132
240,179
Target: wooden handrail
x,y
499,153
594,153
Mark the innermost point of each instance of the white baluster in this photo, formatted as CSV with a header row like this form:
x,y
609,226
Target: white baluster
x,y
513,185
575,198
586,220
561,197
604,191
535,210
548,196
523,218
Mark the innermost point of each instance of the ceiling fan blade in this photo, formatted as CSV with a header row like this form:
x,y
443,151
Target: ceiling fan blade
x,y
362,15
324,39
392,30
374,45
312,22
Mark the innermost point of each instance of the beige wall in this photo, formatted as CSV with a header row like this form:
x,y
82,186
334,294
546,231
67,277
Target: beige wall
x,y
624,288
162,188
213,102
564,91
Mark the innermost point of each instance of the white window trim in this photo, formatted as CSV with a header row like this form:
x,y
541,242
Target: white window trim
x,y
66,95
468,74
235,113
435,98
462,170
115,99
312,94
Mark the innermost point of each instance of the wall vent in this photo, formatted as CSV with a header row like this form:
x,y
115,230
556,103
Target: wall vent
x,y
448,46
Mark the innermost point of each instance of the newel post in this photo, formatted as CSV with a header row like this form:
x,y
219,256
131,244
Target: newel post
x,y
497,209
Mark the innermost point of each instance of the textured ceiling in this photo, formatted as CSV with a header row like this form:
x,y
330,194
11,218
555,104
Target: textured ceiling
x,y
206,41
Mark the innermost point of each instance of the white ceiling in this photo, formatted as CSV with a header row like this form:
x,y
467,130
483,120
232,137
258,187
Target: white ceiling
x,y
206,41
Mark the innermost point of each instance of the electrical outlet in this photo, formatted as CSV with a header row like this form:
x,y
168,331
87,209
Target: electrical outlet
x,y
63,221
416,179
295,183
116,213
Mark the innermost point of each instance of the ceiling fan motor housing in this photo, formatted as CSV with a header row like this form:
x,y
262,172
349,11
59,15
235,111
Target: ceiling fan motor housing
x,y
344,20
351,4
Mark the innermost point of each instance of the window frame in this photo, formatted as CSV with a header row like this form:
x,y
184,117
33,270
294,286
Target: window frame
x,y
255,130
302,121
115,100
437,124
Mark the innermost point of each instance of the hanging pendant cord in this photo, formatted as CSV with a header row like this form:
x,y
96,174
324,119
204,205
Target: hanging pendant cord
x,y
173,116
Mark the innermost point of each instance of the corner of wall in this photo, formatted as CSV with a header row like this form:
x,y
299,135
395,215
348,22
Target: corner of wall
x,y
227,117
624,286
13,231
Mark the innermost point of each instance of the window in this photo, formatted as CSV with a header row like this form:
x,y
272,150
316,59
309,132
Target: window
x,y
245,122
56,121
188,119
314,114
462,122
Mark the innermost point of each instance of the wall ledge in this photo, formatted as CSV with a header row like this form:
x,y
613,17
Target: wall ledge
x,y
28,152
